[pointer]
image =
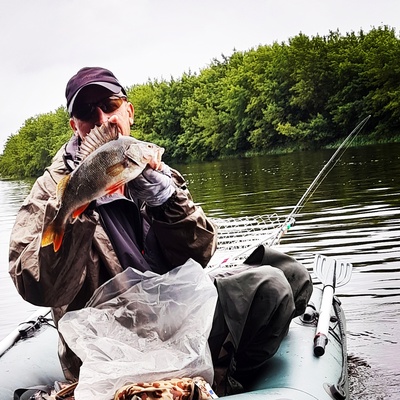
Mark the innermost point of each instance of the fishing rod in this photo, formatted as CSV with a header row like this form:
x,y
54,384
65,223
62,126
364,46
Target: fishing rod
x,y
320,178
274,238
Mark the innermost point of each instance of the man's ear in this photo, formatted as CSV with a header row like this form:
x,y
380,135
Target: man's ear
x,y
131,111
73,126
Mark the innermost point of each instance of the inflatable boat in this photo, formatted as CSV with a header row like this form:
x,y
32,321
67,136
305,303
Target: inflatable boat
x,y
310,363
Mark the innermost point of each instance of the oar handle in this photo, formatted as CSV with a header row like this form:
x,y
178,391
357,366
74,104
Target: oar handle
x,y
321,337
320,341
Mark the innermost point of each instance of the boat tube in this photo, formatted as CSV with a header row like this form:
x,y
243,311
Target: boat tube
x,y
29,360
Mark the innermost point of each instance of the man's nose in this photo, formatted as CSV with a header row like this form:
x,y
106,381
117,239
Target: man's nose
x,y
101,116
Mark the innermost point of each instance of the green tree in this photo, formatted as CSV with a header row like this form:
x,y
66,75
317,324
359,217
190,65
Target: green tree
x,y
382,75
306,92
29,152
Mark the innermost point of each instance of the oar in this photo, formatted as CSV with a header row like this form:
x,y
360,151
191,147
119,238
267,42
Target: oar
x,y
332,273
16,334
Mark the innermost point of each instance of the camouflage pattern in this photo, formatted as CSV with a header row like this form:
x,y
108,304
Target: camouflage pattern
x,y
173,389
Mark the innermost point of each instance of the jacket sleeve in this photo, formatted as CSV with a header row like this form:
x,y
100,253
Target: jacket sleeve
x,y
182,228
41,276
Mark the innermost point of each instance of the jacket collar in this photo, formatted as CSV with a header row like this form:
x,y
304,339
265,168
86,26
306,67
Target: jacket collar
x,y
70,151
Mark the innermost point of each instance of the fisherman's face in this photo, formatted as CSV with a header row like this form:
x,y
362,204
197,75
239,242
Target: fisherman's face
x,y
96,105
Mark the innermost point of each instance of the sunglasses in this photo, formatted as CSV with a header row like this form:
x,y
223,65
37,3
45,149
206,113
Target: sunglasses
x,y
87,111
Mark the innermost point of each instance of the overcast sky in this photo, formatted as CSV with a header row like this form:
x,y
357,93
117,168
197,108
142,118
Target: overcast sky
x,y
44,42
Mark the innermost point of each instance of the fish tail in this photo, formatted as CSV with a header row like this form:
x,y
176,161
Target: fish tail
x,y
53,235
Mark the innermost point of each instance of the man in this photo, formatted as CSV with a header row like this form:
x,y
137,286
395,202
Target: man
x,y
150,224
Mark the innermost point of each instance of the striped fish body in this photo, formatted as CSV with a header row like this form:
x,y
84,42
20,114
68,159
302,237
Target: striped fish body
x,y
103,170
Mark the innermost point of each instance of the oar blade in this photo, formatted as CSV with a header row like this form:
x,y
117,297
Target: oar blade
x,y
331,271
343,272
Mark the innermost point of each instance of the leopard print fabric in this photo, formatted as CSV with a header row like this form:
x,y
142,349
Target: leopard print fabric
x,y
173,389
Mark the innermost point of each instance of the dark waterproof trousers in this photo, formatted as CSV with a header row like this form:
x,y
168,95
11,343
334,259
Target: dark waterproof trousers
x,y
256,303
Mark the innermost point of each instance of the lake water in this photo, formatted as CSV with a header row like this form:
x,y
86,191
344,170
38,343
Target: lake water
x,y
354,215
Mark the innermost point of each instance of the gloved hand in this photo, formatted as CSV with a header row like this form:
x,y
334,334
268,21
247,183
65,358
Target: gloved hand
x,y
154,187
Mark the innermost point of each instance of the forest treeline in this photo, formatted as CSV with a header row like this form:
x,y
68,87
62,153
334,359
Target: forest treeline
x,y
307,93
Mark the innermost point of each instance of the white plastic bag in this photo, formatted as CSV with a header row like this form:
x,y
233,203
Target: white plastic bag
x,y
143,327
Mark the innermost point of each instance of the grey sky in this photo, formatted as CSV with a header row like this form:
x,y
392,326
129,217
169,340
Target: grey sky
x,y
44,42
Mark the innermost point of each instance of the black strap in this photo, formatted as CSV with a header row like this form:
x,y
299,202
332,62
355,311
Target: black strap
x,y
27,393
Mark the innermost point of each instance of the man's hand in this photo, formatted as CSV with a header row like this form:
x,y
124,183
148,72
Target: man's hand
x,y
154,187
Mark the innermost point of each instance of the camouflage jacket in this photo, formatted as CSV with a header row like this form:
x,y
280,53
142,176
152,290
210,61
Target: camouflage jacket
x,y
65,280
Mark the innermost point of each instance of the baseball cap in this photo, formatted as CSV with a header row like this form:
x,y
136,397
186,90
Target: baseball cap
x,y
90,76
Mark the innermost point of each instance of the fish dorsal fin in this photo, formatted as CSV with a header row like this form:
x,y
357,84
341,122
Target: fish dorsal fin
x,y
98,136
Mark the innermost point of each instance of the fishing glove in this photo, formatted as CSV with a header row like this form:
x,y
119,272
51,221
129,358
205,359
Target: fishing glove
x,y
154,187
